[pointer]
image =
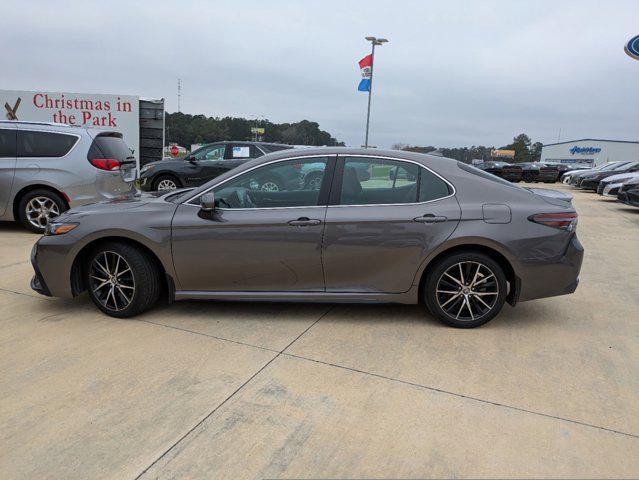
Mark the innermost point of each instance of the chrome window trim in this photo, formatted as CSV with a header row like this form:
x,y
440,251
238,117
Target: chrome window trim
x,y
452,187
187,202
384,157
77,141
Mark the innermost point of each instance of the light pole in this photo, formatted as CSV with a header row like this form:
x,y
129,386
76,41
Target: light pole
x,y
374,42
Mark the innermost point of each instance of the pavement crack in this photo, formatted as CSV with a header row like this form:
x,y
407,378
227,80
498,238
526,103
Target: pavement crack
x,y
461,395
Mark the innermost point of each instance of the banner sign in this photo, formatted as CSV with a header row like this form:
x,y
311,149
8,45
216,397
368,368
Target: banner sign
x,y
108,112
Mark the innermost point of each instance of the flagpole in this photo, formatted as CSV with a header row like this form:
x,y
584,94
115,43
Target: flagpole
x,y
370,93
374,41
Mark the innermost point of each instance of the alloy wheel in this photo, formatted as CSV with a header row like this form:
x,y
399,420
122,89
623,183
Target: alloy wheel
x,y
467,291
270,186
40,210
315,183
111,280
167,184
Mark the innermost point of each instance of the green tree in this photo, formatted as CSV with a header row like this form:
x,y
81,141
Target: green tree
x,y
521,146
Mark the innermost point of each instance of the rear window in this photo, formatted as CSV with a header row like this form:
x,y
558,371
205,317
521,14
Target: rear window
x,y
44,144
109,146
7,143
486,175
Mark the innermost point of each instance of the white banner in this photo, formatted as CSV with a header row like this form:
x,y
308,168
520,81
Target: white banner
x,y
109,112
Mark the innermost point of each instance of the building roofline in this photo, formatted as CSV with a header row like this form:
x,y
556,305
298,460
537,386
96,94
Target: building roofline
x,y
589,140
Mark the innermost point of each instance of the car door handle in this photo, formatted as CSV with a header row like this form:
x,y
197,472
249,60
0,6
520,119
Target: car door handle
x,y
304,222
430,218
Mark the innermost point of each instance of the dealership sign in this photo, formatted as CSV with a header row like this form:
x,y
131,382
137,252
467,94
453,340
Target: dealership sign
x,y
632,47
585,150
108,112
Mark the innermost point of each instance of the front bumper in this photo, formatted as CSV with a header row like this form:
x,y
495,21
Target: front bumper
x,y
630,197
37,282
589,184
552,277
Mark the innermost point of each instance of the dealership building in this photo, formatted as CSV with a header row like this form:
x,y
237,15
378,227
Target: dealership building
x,y
590,151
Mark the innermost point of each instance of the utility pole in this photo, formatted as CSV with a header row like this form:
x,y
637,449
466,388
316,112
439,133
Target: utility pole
x,y
374,41
179,93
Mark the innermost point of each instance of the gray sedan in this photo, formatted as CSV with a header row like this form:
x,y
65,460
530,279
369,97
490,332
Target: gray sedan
x,y
415,229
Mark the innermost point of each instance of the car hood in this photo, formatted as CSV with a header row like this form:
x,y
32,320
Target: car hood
x,y
117,204
621,177
554,197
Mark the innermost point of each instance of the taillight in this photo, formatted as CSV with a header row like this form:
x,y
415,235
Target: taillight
x,y
565,221
106,163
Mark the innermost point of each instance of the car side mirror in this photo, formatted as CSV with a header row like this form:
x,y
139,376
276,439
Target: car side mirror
x,y
207,202
191,159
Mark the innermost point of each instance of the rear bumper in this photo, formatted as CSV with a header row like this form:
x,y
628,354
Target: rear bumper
x,y
552,277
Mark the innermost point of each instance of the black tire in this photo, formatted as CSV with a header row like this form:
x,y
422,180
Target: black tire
x,y
166,178
143,272
26,214
529,177
434,300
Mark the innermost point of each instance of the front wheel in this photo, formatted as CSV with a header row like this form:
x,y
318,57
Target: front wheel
x,y
466,289
165,183
122,280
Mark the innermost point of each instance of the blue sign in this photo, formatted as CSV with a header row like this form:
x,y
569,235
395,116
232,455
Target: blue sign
x,y
632,47
585,150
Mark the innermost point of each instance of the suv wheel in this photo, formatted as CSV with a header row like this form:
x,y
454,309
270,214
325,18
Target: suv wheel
x,y
122,280
38,207
165,183
465,290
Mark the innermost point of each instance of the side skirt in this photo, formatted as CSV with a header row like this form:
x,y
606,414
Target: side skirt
x,y
409,297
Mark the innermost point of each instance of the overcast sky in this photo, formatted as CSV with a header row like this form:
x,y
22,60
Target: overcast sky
x,y
455,73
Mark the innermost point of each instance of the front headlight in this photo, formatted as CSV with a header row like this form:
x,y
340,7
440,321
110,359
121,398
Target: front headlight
x,y
146,168
59,228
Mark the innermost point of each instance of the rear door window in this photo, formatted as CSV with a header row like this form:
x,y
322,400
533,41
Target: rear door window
x,y
378,181
44,144
7,143
109,146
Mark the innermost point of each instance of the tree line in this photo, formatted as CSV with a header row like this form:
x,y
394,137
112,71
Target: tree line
x,y
525,150
185,129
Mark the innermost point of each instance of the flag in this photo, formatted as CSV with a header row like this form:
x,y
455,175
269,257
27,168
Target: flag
x,y
366,66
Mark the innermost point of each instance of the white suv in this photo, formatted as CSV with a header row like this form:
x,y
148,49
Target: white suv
x,y
47,168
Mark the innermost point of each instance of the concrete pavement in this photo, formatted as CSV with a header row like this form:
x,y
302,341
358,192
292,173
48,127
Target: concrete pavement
x,y
213,390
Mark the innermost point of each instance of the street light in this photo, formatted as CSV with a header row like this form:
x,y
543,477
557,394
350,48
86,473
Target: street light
x,y
374,42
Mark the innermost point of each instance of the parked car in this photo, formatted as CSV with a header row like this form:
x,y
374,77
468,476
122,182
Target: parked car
x,y
206,163
375,241
47,168
538,172
629,193
507,171
609,186
575,177
566,168
591,181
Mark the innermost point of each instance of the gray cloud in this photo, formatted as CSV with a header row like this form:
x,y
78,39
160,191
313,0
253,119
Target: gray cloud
x,y
454,72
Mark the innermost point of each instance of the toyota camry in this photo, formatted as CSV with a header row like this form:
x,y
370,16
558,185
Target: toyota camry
x,y
416,229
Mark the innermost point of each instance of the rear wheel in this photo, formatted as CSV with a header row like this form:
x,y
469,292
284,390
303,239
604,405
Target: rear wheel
x,y
314,181
166,183
122,280
466,289
38,207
